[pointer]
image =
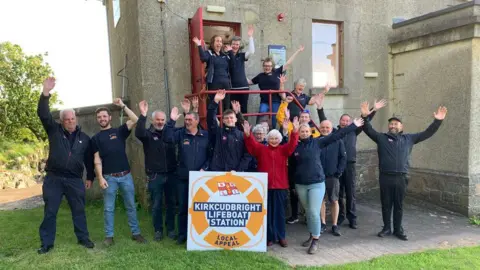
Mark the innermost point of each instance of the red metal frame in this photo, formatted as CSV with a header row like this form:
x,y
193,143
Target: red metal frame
x,y
269,92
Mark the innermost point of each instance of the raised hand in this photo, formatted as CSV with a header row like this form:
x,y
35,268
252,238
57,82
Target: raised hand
x,y
287,113
143,106
118,102
441,113
185,105
246,128
289,99
301,48
197,41
174,115
48,85
327,88
282,79
250,31
319,100
358,122
364,108
377,105
296,124
227,48
195,102
236,106
219,96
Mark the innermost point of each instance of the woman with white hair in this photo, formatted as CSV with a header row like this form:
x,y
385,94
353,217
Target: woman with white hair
x,y
272,159
309,177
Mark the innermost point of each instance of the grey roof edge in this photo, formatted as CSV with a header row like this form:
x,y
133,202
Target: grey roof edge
x,y
436,13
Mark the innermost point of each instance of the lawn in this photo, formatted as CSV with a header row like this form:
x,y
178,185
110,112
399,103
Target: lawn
x,y
19,240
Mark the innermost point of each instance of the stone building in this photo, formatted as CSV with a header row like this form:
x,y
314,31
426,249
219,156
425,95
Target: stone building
x,y
418,54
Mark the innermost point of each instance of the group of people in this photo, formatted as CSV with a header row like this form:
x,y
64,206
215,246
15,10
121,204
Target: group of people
x,y
298,158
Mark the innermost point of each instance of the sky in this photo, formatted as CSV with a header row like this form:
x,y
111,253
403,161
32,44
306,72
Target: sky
x,y
74,33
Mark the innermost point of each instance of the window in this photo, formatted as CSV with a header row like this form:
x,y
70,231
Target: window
x,y
327,54
116,12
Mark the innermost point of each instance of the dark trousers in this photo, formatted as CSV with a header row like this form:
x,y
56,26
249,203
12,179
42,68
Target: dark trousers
x,y
347,192
242,99
53,190
276,214
220,85
182,195
392,193
158,185
294,203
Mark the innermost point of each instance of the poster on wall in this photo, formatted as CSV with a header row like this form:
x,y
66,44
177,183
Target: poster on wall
x,y
227,211
278,53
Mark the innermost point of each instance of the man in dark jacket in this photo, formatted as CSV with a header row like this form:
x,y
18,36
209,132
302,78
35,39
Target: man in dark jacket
x,y
69,151
334,161
193,155
348,178
394,150
229,152
160,165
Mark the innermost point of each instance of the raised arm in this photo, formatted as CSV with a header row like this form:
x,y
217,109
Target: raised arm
x,y
204,56
251,45
367,127
170,133
290,147
319,99
140,130
439,115
290,60
212,113
252,146
43,109
131,115
236,107
324,141
377,105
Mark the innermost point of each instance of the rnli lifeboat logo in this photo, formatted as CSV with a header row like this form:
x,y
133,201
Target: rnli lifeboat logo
x,y
227,211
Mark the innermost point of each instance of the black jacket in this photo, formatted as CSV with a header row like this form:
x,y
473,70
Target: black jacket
x,y
229,151
306,163
334,158
193,149
65,160
350,140
160,156
394,149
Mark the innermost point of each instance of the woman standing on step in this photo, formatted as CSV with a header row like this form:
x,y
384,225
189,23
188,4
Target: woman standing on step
x,y
309,177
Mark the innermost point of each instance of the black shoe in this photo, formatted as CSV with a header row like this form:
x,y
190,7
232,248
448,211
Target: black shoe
x,y
340,220
86,243
401,236
384,232
336,230
108,241
292,220
172,235
353,224
313,247
308,242
44,249
158,236
181,240
139,239
323,228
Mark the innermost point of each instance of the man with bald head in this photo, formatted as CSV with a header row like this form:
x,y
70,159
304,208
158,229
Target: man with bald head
x,y
334,161
160,165
69,152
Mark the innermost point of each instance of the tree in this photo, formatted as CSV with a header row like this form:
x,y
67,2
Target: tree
x,y
21,78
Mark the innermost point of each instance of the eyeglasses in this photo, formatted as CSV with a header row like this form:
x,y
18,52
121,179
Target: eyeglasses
x,y
267,65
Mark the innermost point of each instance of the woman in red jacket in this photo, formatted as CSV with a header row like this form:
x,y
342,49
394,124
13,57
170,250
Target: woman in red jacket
x,y
272,159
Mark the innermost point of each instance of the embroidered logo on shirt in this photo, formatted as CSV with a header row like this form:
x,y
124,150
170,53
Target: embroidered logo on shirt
x,y
186,142
296,154
390,140
113,136
80,141
224,138
155,138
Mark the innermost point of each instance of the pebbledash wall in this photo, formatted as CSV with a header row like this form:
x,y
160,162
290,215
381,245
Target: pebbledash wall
x,y
368,30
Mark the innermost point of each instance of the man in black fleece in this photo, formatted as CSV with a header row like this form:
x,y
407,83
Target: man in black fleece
x,y
69,152
394,150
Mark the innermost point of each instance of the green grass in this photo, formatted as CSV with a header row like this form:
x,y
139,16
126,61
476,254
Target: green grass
x,y
10,151
19,240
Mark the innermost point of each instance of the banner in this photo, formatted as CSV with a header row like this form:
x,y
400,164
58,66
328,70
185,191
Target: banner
x,y
227,211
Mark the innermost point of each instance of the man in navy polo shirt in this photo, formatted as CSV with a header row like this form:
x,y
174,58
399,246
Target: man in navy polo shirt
x,y
113,170
160,165
269,79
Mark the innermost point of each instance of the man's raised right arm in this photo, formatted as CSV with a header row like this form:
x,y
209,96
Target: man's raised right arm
x,y
43,109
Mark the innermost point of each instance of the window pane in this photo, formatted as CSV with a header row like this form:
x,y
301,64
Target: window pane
x,y
325,54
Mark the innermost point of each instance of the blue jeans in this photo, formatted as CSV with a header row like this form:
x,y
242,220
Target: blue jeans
x,y
125,183
276,203
311,197
158,184
265,108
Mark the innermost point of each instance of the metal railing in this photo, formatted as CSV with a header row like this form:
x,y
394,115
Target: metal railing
x,y
203,95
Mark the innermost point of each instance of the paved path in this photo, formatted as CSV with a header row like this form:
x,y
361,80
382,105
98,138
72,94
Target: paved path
x,y
24,198
427,227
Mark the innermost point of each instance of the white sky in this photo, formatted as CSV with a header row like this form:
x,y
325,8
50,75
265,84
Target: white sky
x,y
74,33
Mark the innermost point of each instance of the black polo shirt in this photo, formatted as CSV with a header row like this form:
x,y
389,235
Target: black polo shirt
x,y
110,144
269,81
293,107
